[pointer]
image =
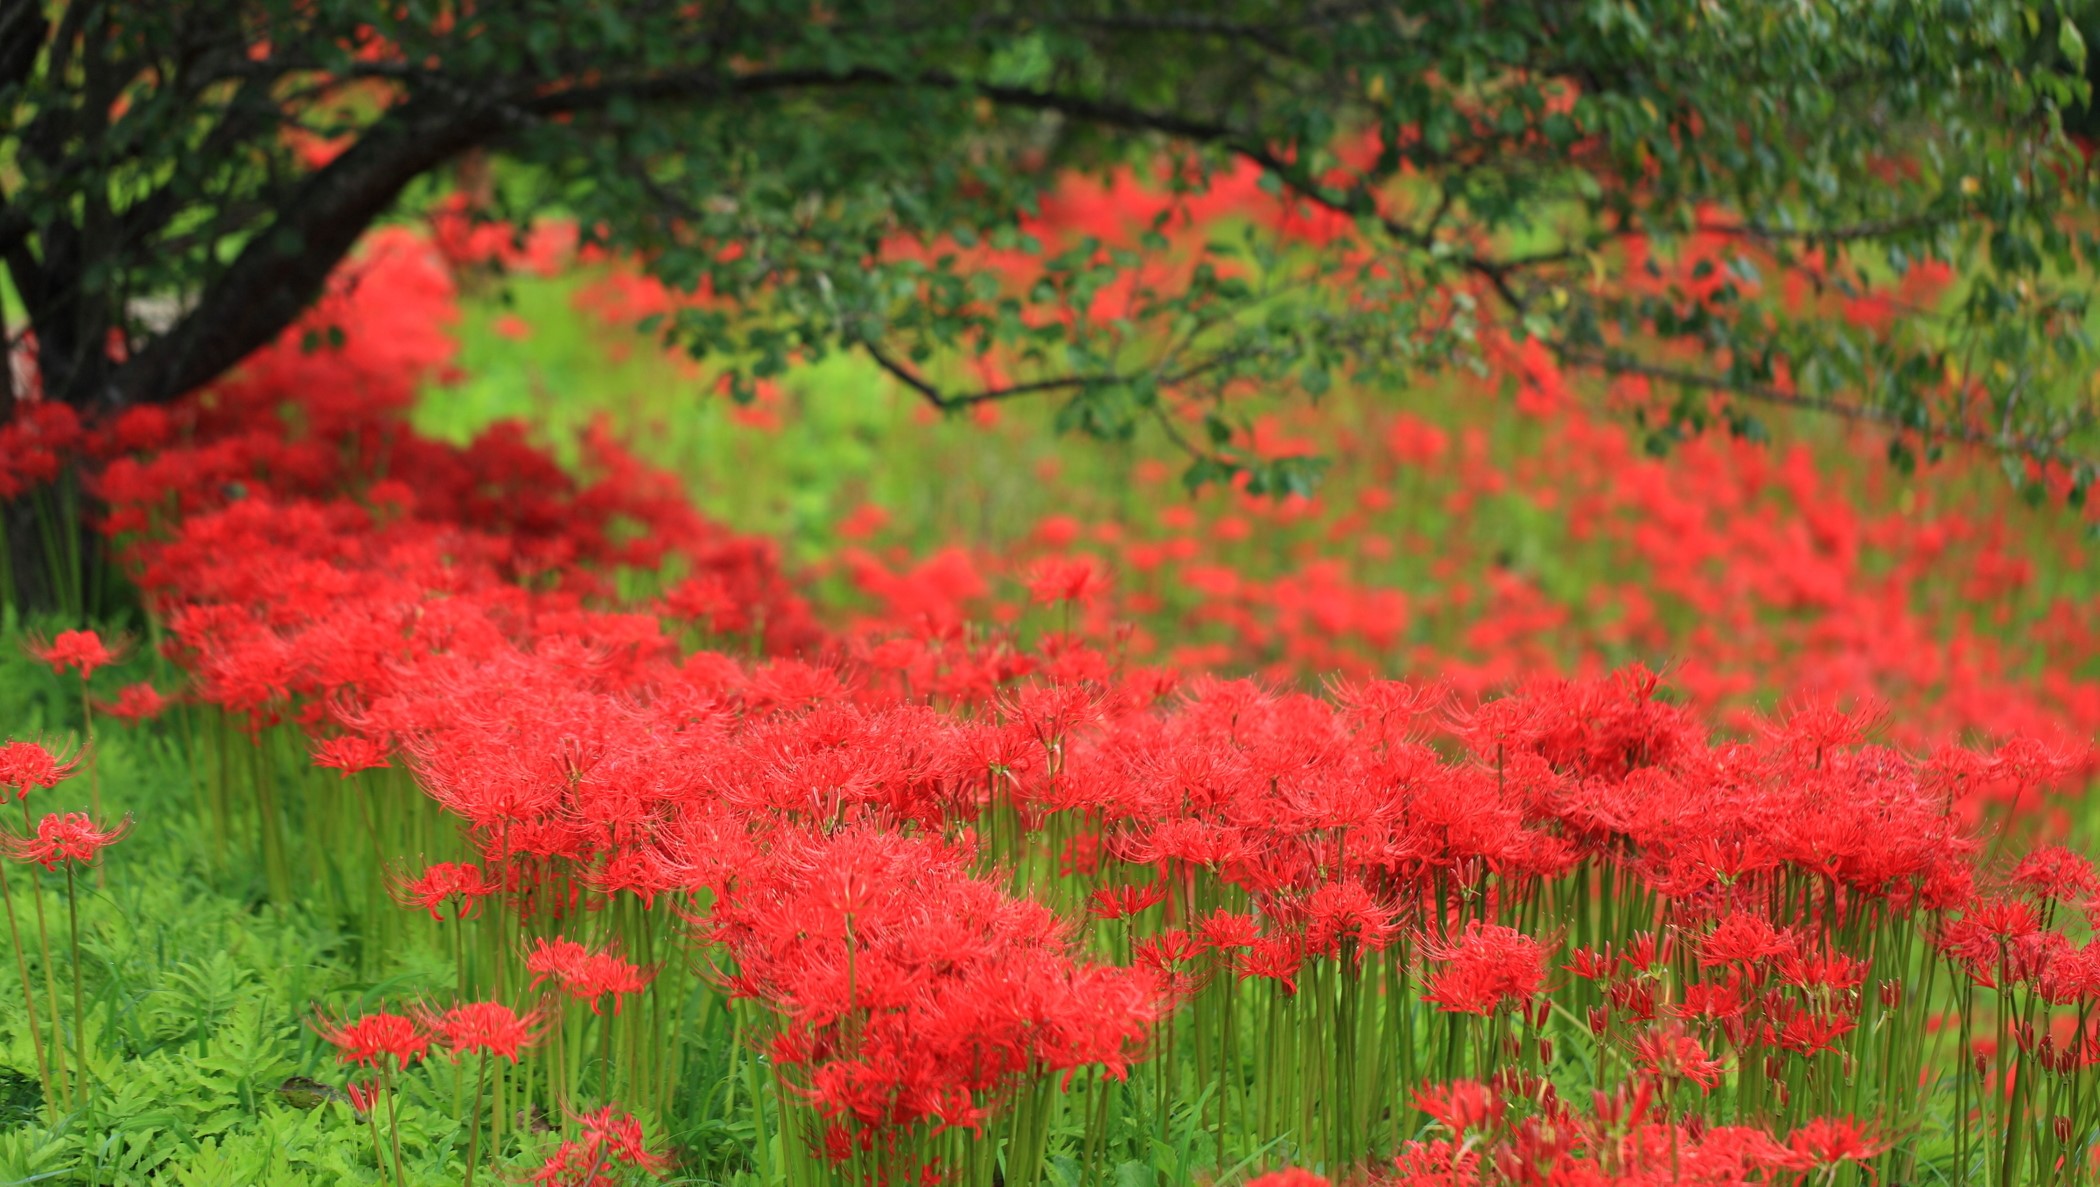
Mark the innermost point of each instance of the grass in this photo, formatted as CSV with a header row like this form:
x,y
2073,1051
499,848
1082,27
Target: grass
x,y
194,975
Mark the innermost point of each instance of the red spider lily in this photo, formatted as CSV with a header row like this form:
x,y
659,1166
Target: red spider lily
x,y
63,837
1078,579
81,651
1288,1177
1460,1105
1644,951
363,1095
34,444
2054,872
1669,1054
1827,1141
489,1027
556,959
445,880
1591,966
349,754
1988,935
604,974
1827,970
135,703
1810,1033
1121,902
1341,911
1489,968
956,987
27,766
1435,1162
584,974
610,1140
1225,931
374,1037
1709,1000
1274,958
1744,940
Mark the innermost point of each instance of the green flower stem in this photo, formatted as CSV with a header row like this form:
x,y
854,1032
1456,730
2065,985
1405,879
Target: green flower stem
x,y
36,1032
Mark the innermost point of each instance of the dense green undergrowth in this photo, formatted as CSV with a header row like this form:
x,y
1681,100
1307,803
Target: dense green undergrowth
x,y
198,988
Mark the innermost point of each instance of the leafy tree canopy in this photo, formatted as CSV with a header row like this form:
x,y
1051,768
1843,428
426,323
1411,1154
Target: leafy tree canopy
x,y
1491,159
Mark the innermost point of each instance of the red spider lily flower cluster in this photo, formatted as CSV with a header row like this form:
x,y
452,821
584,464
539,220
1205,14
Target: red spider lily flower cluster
x,y
1625,1140
441,883
612,1145
63,838
487,1028
954,990
350,754
1288,1177
586,975
1669,1054
32,766
78,651
1075,579
1488,968
135,703
373,1038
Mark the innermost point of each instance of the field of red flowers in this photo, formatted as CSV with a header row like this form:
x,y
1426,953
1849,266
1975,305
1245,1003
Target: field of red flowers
x,y
1523,806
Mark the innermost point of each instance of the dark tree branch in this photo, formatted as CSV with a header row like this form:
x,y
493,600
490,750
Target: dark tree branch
x,y
280,272
950,401
2003,441
1842,233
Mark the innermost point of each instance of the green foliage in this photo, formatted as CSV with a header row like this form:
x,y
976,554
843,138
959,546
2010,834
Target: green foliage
x,y
197,993
772,153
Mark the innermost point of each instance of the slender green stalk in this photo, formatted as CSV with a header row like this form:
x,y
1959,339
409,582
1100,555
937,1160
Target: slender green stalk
x,y
87,733
378,1153
393,1123
94,765
36,1031
474,1120
43,937
80,1059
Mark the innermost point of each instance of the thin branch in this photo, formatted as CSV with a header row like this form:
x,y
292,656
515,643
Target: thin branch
x,y
1842,233
2003,441
950,401
947,402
